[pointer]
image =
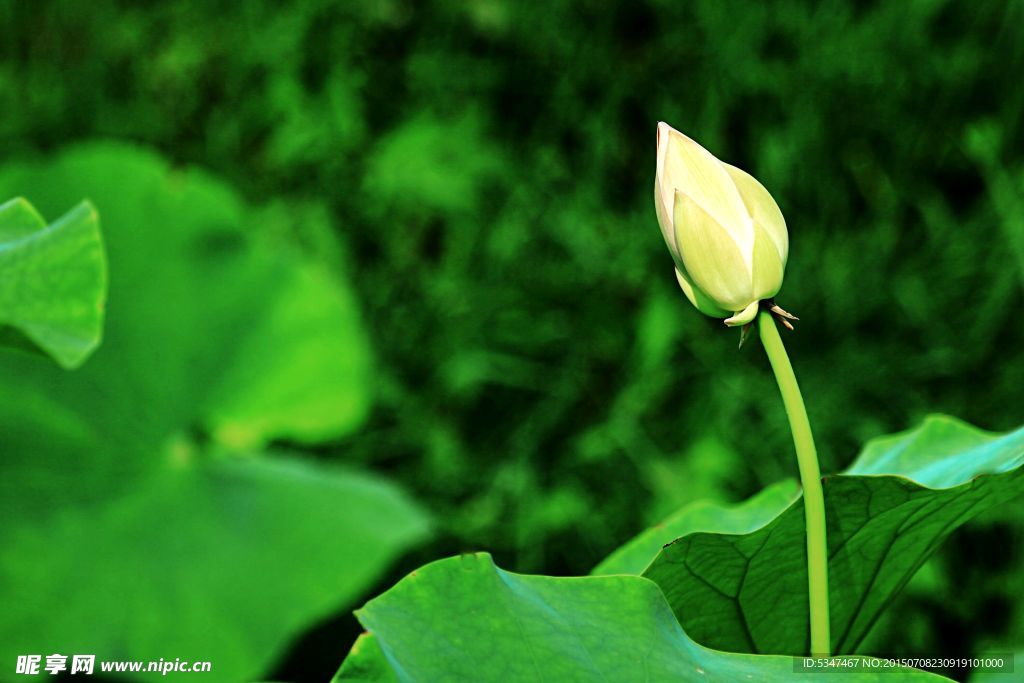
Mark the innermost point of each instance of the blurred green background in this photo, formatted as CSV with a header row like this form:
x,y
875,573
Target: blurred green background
x,y
480,172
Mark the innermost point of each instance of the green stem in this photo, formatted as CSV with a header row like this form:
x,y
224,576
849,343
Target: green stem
x,y
810,478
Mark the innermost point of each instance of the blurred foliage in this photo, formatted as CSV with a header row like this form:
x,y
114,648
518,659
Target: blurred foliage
x,y
141,515
483,171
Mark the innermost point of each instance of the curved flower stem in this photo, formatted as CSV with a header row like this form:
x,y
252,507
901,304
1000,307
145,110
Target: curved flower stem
x,y
810,478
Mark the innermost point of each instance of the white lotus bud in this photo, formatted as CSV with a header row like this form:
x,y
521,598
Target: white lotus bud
x,y
726,234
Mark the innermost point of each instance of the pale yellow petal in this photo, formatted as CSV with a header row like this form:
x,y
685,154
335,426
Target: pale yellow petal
x,y
768,267
762,208
685,166
665,222
711,256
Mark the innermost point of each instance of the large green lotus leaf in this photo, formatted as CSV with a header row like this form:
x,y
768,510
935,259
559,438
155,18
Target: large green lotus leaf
x,y
366,662
131,522
54,280
702,515
886,515
201,315
464,619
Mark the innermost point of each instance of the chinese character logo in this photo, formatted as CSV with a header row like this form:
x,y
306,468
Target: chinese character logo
x,y
28,664
83,664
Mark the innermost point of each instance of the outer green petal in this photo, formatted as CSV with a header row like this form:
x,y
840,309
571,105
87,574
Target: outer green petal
x,y
711,256
762,208
702,301
745,316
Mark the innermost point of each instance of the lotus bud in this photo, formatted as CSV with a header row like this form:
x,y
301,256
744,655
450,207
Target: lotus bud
x,y
726,234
